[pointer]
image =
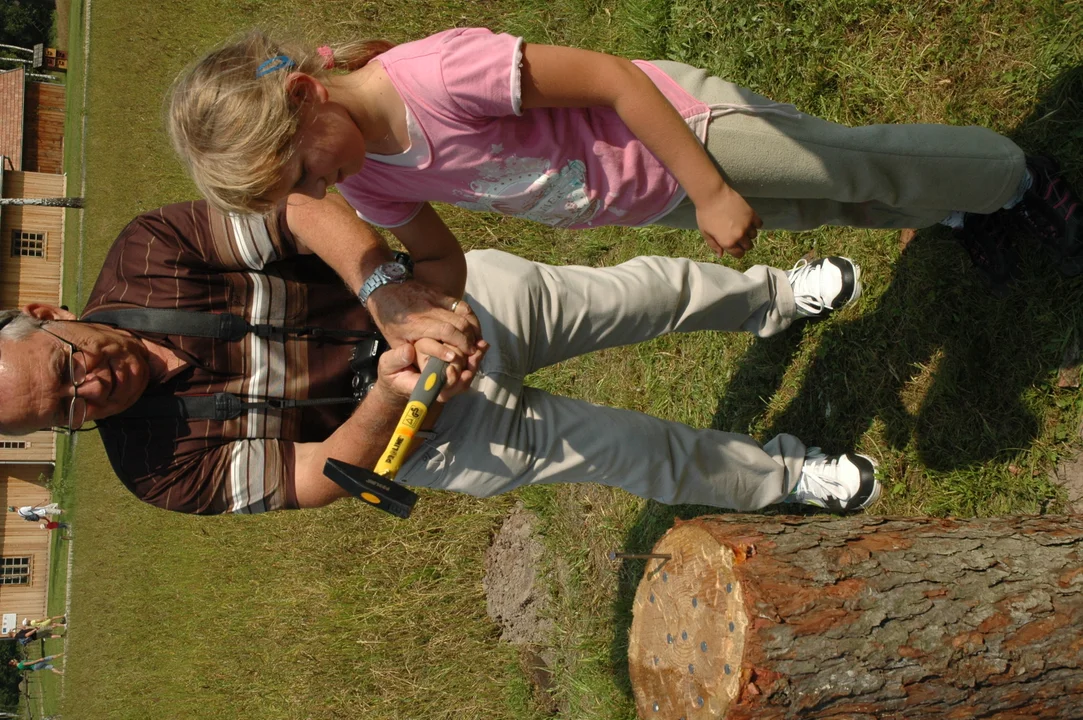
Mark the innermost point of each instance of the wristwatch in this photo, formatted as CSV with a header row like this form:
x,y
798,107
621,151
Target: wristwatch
x,y
397,271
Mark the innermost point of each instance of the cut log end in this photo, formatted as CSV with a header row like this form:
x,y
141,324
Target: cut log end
x,y
688,629
861,617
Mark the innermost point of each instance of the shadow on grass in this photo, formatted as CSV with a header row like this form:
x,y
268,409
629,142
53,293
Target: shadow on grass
x,y
973,361
978,365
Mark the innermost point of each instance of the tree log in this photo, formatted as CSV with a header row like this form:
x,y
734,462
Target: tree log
x,y
862,618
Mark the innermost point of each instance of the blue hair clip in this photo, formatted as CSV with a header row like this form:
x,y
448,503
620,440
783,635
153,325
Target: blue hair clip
x,y
278,62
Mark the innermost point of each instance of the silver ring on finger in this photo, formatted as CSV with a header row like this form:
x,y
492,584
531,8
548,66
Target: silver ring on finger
x,y
454,305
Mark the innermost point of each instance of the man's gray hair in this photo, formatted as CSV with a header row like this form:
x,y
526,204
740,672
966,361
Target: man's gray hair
x,y
16,324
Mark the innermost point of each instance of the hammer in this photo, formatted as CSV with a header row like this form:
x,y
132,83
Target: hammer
x,y
377,487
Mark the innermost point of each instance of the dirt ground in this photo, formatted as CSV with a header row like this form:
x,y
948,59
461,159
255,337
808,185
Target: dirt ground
x,y
517,599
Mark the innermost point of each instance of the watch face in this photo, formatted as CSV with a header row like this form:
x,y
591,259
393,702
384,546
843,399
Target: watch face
x,y
395,272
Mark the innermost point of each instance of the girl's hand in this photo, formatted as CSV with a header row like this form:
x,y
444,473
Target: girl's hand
x,y
728,223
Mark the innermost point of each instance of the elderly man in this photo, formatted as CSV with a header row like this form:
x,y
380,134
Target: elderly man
x,y
293,279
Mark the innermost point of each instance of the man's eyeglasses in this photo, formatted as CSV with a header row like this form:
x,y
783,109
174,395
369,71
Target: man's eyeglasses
x,y
76,371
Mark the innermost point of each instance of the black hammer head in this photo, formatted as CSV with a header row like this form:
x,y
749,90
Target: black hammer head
x,y
376,490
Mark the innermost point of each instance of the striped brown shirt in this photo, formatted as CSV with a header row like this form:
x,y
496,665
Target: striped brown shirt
x,y
189,257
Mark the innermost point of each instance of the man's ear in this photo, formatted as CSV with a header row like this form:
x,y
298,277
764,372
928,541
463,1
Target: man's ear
x,y
42,311
303,88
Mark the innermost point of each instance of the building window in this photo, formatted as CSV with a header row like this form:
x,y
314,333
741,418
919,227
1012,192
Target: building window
x,y
27,244
14,444
15,571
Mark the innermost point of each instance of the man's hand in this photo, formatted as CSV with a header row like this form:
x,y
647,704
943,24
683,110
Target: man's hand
x,y
415,314
399,374
727,222
410,311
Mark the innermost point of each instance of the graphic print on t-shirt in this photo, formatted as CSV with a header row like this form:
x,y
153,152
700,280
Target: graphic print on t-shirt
x,y
529,188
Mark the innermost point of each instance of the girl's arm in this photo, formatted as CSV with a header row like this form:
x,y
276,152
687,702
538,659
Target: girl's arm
x,y
568,77
439,264
438,258
404,313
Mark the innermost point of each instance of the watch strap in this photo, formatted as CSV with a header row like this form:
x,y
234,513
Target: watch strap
x,y
379,276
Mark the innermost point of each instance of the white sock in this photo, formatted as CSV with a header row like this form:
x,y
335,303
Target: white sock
x,y
954,220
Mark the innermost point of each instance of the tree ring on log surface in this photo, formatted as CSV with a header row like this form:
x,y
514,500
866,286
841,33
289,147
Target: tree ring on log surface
x,y
687,636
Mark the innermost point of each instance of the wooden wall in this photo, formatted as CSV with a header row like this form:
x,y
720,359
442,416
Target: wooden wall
x,y
39,447
20,485
43,129
12,112
31,279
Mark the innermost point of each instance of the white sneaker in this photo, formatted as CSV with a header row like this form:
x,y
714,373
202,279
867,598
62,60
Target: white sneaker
x,y
824,285
839,483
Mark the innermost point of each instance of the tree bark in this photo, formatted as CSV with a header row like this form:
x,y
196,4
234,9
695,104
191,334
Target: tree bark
x,y
862,618
67,202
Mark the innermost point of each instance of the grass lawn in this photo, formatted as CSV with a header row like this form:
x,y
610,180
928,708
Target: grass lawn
x,y
345,612
73,148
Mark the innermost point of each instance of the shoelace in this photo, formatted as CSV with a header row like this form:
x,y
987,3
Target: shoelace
x,y
1056,195
1060,198
801,273
820,467
823,472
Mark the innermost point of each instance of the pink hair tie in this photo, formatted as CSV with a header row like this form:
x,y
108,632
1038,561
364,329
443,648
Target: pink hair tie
x,y
328,56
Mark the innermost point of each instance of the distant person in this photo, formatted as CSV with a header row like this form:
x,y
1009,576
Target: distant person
x,y
33,513
45,623
54,525
27,635
45,663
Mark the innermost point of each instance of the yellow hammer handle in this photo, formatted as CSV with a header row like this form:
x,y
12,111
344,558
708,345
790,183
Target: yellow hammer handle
x,y
425,392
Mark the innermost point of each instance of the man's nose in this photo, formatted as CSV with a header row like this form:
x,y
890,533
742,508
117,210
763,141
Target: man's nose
x,y
95,387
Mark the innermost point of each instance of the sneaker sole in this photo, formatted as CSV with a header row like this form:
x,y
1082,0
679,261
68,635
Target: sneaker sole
x,y
851,275
870,489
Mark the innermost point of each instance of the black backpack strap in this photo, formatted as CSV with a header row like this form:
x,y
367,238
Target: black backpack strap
x,y
220,326
223,326
219,406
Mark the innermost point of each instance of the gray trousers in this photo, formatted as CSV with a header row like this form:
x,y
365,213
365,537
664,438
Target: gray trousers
x,y
799,172
501,435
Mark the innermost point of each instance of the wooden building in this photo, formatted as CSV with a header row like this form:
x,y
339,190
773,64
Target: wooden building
x,y
24,545
31,270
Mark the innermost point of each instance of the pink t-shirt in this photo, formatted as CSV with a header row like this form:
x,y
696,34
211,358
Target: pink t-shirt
x,y
568,167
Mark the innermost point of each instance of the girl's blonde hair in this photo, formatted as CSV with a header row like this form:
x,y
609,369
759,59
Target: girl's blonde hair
x,y
234,131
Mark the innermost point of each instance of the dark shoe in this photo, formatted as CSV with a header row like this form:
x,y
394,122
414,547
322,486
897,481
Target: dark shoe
x,y
987,240
1051,211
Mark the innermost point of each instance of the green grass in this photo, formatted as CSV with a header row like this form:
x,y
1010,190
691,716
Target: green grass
x,y
347,613
73,153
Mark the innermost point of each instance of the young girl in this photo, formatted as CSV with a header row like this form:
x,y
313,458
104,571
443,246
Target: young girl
x,y
579,139
45,663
